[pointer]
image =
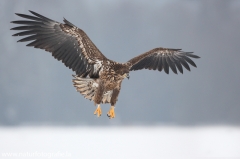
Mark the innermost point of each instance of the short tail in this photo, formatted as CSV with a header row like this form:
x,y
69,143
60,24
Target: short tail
x,y
88,86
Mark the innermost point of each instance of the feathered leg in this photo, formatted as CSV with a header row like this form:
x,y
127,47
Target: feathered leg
x,y
111,113
98,98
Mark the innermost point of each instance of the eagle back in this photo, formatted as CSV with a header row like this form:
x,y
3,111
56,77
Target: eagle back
x,y
112,74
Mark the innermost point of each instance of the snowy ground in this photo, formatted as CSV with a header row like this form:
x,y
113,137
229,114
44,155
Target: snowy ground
x,y
119,142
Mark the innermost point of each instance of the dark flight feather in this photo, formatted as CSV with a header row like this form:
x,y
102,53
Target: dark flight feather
x,y
173,58
58,39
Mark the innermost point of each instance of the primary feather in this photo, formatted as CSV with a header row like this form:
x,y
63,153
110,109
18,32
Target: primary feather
x,y
97,78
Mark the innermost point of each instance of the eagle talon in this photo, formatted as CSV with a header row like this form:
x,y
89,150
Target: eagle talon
x,y
98,111
111,113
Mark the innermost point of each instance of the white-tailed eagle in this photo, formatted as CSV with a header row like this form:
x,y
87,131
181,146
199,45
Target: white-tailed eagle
x,y
97,77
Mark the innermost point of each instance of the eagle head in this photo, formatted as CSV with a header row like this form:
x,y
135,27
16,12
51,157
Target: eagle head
x,y
124,72
126,75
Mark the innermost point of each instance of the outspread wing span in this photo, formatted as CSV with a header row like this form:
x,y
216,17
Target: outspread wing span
x,y
163,58
66,42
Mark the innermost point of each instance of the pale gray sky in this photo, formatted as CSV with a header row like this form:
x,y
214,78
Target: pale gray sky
x,y
37,89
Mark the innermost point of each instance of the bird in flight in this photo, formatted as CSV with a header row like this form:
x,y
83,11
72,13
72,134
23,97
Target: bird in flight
x,y
97,77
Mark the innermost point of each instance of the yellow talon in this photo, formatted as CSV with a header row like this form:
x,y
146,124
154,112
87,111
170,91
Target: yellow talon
x,y
111,113
98,111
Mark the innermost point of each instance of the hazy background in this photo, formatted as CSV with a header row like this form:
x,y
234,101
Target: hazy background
x,y
36,89
196,114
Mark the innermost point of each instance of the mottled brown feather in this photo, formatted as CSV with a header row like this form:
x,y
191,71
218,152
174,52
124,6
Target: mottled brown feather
x,y
66,42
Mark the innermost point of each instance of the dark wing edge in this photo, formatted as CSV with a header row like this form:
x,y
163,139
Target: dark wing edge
x,y
66,42
163,58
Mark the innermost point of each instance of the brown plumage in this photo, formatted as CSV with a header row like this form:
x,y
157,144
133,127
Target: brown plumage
x,y
97,77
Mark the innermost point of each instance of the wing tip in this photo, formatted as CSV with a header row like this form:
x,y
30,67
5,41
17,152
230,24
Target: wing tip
x,y
15,34
67,22
32,12
18,14
197,57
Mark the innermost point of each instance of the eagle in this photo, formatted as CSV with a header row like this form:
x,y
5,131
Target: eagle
x,y
96,77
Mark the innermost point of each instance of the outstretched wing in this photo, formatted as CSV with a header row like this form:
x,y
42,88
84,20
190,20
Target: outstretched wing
x,y
66,42
163,58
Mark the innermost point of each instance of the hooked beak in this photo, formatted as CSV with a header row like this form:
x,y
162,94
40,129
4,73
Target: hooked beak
x,y
127,75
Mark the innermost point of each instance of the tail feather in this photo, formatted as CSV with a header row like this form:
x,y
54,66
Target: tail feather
x,y
88,86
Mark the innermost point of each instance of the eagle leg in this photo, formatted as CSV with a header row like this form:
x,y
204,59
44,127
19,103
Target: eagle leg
x,y
98,111
111,113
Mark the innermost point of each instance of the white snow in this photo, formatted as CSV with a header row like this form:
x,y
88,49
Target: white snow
x,y
119,142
